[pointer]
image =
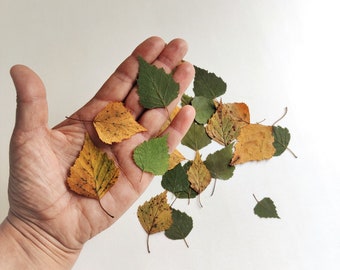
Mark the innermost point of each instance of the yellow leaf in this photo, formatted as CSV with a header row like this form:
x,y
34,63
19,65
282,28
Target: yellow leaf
x,y
93,173
175,158
198,174
115,123
168,121
225,124
155,215
254,143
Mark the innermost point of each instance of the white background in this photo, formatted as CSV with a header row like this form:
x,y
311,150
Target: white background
x,y
272,54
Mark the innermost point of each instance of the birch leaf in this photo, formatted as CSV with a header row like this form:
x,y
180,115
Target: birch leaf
x,y
115,123
156,88
153,155
281,139
198,174
207,84
224,126
196,137
181,226
265,208
204,107
155,215
254,143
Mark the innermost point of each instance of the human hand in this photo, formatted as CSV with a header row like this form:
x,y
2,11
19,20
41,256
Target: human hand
x,y
41,206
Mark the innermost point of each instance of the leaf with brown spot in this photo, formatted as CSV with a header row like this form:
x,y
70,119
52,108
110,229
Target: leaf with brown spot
x,y
155,215
93,172
254,143
225,124
115,123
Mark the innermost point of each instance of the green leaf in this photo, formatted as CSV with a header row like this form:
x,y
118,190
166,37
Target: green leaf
x,y
204,107
208,84
196,137
186,100
153,155
156,88
176,181
182,225
218,163
281,139
265,208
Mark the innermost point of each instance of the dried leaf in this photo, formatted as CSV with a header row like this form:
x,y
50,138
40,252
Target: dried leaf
x,y
181,226
198,174
218,163
155,215
204,107
175,158
176,181
207,84
156,88
115,123
168,121
224,126
196,137
265,208
93,173
153,156
254,143
281,139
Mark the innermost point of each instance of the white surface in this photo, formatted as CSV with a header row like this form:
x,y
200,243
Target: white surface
x,y
271,53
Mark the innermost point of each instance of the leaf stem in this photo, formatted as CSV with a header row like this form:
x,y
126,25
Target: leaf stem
x,y
186,243
284,114
147,243
102,207
255,198
79,120
214,186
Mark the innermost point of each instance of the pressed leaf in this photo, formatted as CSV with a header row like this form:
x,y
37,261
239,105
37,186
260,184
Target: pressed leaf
x,y
281,139
198,174
168,121
218,163
153,156
115,123
182,225
224,126
93,173
156,88
176,181
204,107
155,215
186,100
265,208
254,143
196,137
208,84
175,158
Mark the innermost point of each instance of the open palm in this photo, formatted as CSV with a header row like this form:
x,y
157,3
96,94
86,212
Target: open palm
x,y
40,158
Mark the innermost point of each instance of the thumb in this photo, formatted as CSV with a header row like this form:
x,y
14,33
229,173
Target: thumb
x,y
32,111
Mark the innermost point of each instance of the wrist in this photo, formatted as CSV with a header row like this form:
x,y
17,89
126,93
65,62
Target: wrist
x,y
24,245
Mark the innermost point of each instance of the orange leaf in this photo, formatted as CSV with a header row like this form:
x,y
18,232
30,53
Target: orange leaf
x,y
254,143
198,174
115,123
225,124
93,173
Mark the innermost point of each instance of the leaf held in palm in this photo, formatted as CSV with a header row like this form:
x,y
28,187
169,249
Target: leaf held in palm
x,y
156,88
115,123
153,155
